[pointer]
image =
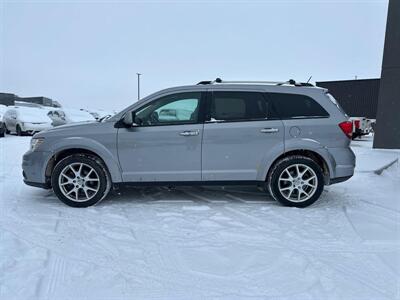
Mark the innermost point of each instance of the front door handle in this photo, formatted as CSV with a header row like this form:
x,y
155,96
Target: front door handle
x,y
269,130
189,133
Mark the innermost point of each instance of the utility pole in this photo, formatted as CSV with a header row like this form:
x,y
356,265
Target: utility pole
x,y
138,85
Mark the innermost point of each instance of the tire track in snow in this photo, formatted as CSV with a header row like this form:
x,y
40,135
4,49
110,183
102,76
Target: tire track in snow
x,y
48,284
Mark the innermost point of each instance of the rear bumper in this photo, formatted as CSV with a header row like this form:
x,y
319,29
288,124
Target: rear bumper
x,y
339,179
343,163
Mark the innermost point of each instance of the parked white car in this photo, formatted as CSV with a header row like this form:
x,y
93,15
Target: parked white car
x,y
3,108
69,115
99,113
26,120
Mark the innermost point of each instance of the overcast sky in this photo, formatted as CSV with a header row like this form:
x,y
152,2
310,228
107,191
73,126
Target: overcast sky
x,y
86,54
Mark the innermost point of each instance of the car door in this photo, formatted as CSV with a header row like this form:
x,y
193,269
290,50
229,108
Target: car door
x,y
166,144
241,133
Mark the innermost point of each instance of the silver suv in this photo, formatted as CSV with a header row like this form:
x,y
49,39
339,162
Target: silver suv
x,y
292,138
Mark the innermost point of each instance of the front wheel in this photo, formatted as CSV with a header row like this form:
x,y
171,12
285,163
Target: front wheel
x,y
80,180
19,130
296,181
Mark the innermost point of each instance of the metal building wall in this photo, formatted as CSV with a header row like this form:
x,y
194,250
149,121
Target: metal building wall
x,y
387,132
38,100
8,99
359,98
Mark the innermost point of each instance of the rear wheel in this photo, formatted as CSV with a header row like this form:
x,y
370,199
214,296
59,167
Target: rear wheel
x,y
296,181
5,127
80,180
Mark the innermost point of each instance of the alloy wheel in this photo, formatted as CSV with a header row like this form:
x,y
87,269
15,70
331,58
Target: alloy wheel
x,y
298,183
79,182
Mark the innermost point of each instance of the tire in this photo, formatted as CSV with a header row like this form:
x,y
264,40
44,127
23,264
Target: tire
x,y
7,131
77,187
294,190
19,130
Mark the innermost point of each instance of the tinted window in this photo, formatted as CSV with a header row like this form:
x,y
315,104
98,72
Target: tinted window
x,y
296,106
171,109
233,106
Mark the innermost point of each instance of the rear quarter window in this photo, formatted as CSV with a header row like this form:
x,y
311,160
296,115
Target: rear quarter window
x,y
292,106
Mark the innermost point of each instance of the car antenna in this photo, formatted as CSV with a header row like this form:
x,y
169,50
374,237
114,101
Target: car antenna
x,y
309,79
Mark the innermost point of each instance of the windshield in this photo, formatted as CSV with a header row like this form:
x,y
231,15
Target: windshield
x,y
334,101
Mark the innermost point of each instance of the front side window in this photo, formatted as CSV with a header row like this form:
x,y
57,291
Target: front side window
x,y
240,106
182,108
292,106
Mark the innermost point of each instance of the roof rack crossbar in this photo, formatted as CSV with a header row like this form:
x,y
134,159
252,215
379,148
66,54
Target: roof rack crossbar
x,y
289,82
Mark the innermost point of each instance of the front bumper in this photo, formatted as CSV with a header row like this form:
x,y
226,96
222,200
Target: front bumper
x,y
34,165
30,127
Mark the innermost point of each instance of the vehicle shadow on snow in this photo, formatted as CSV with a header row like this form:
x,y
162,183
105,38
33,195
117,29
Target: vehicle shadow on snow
x,y
194,195
207,195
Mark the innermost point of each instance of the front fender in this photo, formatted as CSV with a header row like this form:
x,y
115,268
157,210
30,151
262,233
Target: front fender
x,y
91,145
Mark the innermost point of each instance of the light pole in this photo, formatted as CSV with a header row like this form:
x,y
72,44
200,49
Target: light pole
x,y
138,85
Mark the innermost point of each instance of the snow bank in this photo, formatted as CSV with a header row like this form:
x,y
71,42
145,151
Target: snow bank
x,y
201,243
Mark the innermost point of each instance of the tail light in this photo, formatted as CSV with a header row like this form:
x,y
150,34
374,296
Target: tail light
x,y
357,123
347,128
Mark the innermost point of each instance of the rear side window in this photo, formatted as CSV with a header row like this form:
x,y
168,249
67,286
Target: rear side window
x,y
240,106
291,106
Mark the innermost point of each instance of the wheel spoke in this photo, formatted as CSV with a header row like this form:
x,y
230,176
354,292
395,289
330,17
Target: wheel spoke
x,y
287,172
92,179
88,174
72,190
72,169
91,189
286,179
87,196
290,193
309,179
69,178
80,169
298,170
311,185
302,173
304,192
286,188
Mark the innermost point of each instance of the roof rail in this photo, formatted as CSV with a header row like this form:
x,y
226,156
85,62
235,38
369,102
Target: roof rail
x,y
289,82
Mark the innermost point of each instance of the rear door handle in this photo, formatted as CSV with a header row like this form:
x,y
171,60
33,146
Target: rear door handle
x,y
189,133
269,130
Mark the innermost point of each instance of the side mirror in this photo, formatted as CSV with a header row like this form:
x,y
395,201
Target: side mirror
x,y
129,118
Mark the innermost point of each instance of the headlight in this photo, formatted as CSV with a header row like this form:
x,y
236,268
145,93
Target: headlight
x,y
35,142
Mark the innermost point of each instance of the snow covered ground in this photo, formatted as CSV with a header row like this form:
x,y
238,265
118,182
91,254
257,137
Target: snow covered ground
x,y
201,243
